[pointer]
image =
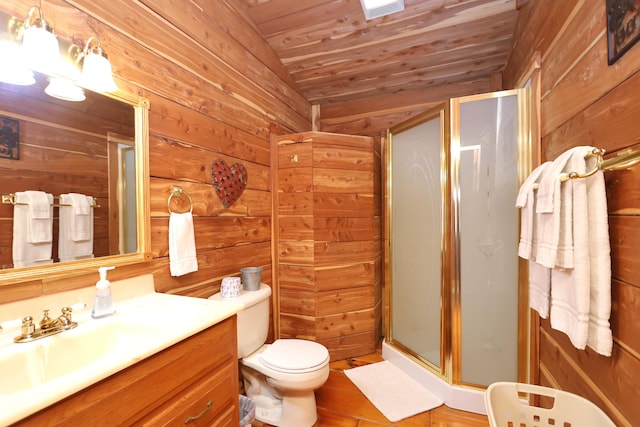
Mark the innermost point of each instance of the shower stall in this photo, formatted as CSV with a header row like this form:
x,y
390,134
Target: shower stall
x,y
456,298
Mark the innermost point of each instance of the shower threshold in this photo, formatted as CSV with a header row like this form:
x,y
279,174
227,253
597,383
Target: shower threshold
x,y
456,397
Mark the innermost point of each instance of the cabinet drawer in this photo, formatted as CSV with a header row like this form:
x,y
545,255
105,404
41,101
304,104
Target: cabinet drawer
x,y
203,403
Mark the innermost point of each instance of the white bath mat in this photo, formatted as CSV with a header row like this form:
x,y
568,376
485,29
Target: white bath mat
x,y
393,392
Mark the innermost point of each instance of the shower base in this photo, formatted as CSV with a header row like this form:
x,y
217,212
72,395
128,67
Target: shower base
x,y
456,397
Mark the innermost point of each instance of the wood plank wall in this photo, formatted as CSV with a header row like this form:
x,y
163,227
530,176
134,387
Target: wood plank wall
x,y
217,91
584,101
371,117
327,240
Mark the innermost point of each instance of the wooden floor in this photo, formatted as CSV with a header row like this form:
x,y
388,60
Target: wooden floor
x,y
341,404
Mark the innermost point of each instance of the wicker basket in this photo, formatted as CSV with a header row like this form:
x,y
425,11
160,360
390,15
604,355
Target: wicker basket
x,y
505,408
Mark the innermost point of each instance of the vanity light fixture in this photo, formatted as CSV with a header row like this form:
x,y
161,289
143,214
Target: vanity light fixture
x,y
63,86
96,69
13,69
64,89
40,45
377,8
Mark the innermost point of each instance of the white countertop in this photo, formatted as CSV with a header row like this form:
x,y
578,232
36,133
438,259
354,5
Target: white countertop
x,y
145,323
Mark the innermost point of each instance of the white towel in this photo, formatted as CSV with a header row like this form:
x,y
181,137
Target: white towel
x,y
75,237
570,288
539,288
552,202
182,244
526,202
82,218
581,297
32,238
539,276
40,224
600,335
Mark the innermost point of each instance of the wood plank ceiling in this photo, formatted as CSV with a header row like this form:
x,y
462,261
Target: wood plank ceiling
x,y
335,55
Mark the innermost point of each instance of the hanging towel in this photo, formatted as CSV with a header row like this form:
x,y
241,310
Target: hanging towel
x,y
82,225
570,288
539,276
40,225
182,244
539,288
553,203
600,335
75,237
32,237
526,202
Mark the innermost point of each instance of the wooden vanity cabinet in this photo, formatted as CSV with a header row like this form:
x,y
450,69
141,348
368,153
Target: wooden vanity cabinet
x,y
198,376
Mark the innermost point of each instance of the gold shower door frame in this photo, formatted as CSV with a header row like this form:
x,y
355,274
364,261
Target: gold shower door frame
x,y
448,113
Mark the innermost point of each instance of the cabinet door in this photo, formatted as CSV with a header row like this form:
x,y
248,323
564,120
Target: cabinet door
x,y
202,404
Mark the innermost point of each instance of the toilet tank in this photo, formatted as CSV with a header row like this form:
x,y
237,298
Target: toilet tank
x,y
253,319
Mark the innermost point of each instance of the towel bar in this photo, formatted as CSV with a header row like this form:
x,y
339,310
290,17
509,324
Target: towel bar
x,y
623,160
10,199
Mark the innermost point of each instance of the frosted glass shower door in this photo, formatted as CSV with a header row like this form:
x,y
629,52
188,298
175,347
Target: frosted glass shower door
x,y
487,181
416,224
457,299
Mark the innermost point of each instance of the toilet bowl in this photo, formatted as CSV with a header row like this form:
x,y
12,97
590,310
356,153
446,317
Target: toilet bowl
x,y
281,378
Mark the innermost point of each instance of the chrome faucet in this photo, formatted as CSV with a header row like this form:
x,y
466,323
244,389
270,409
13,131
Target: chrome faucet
x,y
48,326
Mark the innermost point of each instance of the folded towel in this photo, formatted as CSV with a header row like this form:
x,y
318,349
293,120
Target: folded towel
x,y
39,204
570,304
546,197
526,202
539,276
75,237
570,288
600,335
539,288
81,203
551,198
182,244
82,218
26,250
40,220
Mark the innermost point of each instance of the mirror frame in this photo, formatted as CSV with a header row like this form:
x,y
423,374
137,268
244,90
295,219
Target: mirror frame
x,y
143,253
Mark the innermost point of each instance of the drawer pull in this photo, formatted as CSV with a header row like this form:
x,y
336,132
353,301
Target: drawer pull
x,y
197,417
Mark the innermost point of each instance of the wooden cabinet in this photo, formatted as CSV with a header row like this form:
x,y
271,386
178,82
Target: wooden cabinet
x,y
196,379
327,222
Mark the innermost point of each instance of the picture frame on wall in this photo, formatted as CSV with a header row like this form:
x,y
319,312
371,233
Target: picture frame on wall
x,y
9,138
623,27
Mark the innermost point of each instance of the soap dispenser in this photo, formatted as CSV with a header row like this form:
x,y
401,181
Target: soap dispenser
x,y
103,303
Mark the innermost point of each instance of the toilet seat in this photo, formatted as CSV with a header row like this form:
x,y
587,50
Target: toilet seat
x,y
294,356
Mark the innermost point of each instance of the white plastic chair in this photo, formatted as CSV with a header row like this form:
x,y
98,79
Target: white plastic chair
x,y
506,409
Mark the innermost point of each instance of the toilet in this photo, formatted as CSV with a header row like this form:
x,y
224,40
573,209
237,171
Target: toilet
x,y
280,377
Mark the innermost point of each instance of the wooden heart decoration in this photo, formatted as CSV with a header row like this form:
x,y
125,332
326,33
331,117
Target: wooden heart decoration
x,y
229,181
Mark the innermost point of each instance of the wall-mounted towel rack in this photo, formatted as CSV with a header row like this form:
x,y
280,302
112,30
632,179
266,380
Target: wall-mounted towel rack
x,y
179,192
10,199
624,160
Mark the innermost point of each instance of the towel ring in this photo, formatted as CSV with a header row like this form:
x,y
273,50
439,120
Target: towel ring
x,y
179,192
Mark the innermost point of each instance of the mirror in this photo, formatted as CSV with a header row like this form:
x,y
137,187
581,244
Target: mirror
x,y
97,147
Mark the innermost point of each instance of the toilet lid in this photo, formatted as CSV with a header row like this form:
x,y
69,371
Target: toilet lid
x,y
294,355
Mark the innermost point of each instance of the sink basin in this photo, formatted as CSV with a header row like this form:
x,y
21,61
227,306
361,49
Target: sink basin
x,y
68,351
17,370
23,366
36,374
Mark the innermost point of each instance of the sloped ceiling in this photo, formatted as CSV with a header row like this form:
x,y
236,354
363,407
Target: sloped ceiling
x,y
335,55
